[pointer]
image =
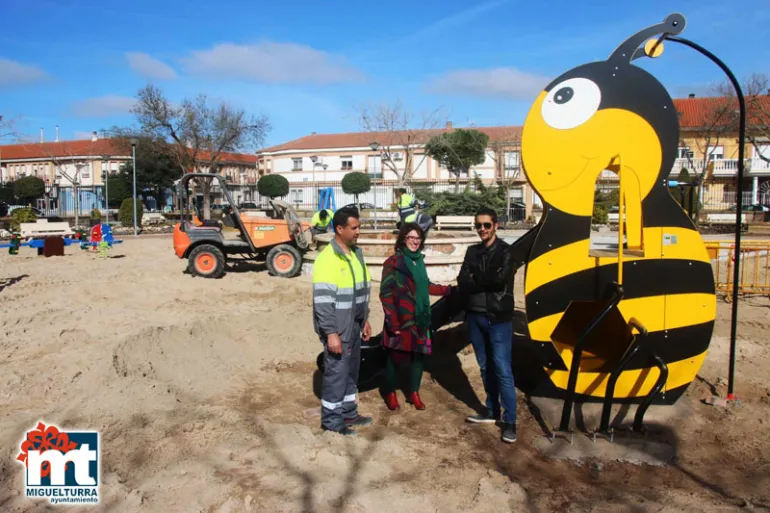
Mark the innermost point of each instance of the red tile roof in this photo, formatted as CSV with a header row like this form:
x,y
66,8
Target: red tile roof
x,y
88,148
701,112
363,139
83,148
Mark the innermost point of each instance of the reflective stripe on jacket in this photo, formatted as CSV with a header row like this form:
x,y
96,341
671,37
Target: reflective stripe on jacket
x,y
340,302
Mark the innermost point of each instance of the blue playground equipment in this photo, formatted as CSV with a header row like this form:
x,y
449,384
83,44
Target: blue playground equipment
x,y
326,200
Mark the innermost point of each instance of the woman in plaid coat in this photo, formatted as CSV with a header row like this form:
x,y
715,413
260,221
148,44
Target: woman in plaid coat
x,y
405,295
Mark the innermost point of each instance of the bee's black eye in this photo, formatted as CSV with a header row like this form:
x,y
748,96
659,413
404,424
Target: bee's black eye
x,y
563,95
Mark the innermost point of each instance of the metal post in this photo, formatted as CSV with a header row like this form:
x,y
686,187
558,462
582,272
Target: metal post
x,y
739,206
133,151
106,171
375,146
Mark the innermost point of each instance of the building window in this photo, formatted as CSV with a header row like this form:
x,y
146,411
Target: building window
x,y
511,160
683,152
296,164
347,163
716,152
297,196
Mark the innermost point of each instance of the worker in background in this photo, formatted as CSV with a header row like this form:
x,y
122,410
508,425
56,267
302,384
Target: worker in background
x,y
341,290
321,221
405,203
422,219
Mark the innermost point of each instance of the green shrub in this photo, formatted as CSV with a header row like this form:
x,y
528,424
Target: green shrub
x,y
28,188
465,203
126,213
21,215
273,186
97,215
356,183
601,214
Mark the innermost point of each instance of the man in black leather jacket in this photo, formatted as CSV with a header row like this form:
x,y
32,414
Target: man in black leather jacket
x,y
486,281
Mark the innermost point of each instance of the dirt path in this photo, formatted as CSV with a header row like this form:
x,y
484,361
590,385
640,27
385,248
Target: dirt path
x,y
205,394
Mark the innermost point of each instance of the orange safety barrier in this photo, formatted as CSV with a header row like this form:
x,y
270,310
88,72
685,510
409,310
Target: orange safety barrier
x,y
754,271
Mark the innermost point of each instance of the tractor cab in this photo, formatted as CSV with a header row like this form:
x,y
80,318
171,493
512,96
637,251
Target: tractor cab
x,y
208,237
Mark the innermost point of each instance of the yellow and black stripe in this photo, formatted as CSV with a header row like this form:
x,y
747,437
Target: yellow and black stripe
x,y
613,115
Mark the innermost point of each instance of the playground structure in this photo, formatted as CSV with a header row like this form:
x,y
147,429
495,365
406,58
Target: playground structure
x,y
50,239
631,322
206,243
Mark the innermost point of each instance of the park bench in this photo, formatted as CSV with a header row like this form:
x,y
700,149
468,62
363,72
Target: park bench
x,y
454,222
43,228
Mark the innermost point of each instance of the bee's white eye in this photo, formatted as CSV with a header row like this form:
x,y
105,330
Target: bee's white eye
x,y
571,103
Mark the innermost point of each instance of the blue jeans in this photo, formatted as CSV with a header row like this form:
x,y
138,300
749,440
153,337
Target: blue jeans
x,y
496,374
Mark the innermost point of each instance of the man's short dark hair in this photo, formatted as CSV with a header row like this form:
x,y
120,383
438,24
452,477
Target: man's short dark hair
x,y
402,190
323,215
341,217
486,211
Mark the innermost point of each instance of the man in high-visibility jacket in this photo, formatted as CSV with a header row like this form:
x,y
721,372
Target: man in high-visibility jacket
x,y
405,203
422,219
341,290
321,221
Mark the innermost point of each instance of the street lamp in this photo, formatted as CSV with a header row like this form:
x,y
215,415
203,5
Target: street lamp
x,y
314,160
134,142
106,180
375,146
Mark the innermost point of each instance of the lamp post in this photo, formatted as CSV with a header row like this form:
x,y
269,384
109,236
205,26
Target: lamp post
x,y
134,142
314,160
374,146
106,179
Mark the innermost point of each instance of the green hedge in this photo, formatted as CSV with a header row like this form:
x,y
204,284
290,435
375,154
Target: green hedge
x,y
126,213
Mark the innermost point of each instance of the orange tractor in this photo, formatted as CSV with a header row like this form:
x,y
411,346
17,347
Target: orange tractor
x,y
279,239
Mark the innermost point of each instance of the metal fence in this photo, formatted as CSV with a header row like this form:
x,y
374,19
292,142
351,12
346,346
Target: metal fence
x,y
305,196
754,276
713,198
60,201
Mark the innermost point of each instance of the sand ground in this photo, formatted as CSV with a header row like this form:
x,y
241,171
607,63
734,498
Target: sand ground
x,y
204,392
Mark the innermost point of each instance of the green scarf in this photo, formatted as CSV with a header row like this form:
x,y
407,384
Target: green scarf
x,y
416,264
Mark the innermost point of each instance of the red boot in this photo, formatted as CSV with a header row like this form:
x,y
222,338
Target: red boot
x,y
414,398
391,400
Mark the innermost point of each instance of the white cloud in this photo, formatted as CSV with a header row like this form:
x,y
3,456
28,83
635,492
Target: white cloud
x,y
14,73
273,63
149,67
504,82
103,106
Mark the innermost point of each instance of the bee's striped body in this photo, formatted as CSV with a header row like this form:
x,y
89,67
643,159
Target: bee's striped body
x,y
670,290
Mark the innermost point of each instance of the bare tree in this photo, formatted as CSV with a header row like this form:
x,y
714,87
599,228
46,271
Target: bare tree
x,y
399,131
507,170
69,164
6,128
198,133
756,92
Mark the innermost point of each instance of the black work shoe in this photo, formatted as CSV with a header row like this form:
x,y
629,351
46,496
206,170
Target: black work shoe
x,y
359,421
346,431
509,433
481,419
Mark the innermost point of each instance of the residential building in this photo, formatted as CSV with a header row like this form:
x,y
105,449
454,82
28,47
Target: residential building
x,y
391,159
709,135
60,163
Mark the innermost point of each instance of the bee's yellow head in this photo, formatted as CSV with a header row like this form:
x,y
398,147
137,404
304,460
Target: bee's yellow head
x,y
598,116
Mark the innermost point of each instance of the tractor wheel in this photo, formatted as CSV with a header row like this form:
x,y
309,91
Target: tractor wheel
x,y
206,261
284,261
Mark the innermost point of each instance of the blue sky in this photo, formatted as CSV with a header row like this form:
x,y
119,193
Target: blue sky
x,y
308,65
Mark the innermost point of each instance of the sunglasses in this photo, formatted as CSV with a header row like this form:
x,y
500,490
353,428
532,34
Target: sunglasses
x,y
487,226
